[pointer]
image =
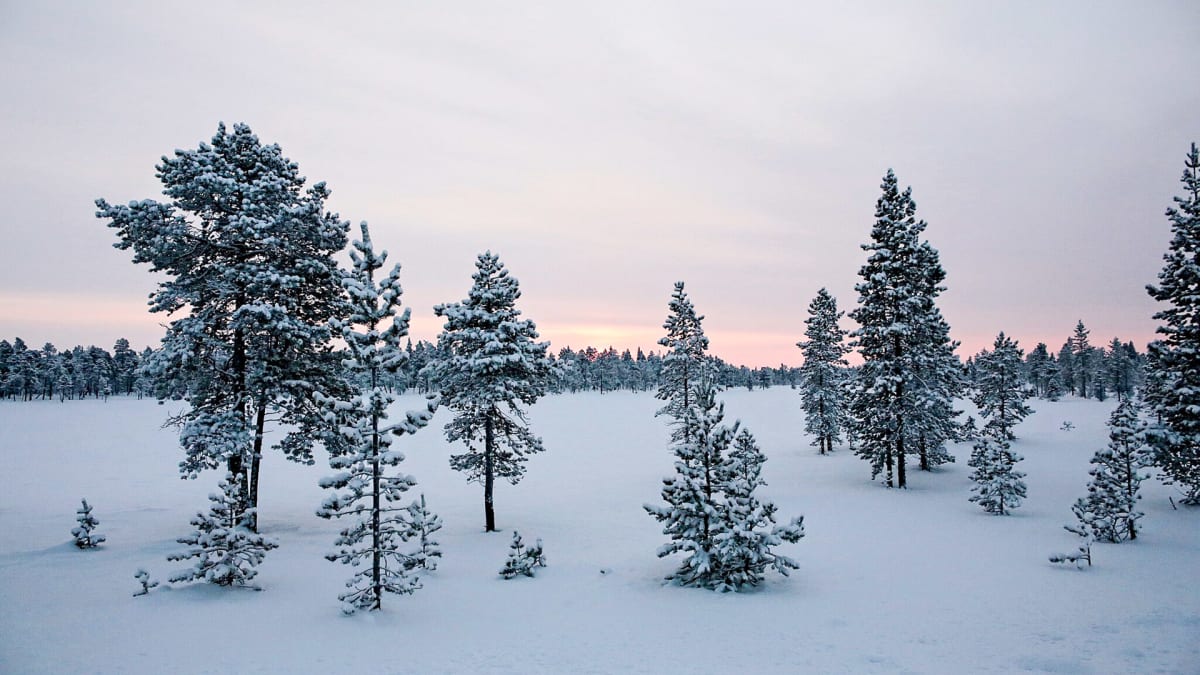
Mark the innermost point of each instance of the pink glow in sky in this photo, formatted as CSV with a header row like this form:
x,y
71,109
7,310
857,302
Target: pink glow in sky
x,y
606,150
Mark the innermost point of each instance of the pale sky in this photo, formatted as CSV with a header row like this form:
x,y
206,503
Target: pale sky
x,y
606,150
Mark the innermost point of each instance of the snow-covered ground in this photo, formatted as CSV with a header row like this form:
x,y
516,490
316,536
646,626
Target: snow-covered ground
x,y
916,580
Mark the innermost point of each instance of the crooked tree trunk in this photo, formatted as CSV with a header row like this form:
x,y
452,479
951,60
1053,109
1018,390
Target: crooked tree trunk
x,y
489,468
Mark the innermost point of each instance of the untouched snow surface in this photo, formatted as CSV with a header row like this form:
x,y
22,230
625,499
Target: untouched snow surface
x,y
916,580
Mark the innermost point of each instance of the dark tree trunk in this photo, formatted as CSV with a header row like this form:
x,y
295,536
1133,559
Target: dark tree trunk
x,y
256,459
924,448
376,582
489,479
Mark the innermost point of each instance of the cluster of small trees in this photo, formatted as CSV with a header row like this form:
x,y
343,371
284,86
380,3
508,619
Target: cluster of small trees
x,y
1081,369
82,372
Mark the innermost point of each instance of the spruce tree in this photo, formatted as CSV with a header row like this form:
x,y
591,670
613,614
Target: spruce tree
x,y
227,551
492,368
1109,511
823,372
1176,356
360,439
998,485
909,375
1000,391
246,252
84,534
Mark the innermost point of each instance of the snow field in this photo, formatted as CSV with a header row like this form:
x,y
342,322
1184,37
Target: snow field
x,y
916,580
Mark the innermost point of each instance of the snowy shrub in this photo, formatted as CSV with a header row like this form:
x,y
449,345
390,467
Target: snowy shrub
x,y
998,485
424,523
83,533
143,578
522,560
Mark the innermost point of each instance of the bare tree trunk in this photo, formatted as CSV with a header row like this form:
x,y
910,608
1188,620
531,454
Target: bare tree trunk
x,y
489,479
260,422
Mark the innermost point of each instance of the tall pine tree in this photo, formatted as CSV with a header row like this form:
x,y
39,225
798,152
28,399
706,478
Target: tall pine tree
x,y
247,255
1176,356
685,365
909,375
493,367
361,438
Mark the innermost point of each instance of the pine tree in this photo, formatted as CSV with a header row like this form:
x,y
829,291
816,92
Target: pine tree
x,y
822,372
492,368
998,486
247,255
743,548
360,442
83,533
1084,359
522,560
1038,369
1000,392
1176,356
909,376
423,524
685,365
691,516
1109,512
226,549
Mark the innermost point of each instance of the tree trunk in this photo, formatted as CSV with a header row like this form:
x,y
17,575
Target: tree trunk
x,y
489,479
256,459
376,581
924,450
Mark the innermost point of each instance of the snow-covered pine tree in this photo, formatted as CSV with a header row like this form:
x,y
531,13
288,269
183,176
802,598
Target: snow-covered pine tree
x,y
909,374
748,532
998,485
1176,357
247,257
939,374
693,495
822,393
522,560
492,368
685,365
226,549
1084,356
1000,389
360,439
1109,511
423,523
84,534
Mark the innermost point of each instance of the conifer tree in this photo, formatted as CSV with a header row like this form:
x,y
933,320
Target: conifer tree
x,y
1109,511
493,367
84,535
685,365
1083,359
748,533
909,375
998,485
360,441
823,372
1000,391
522,560
423,524
711,512
1176,357
227,551
247,256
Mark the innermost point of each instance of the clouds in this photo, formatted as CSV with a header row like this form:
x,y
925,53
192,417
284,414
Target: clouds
x,y
608,150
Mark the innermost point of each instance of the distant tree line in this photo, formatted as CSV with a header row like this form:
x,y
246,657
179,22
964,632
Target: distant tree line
x,y
81,372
